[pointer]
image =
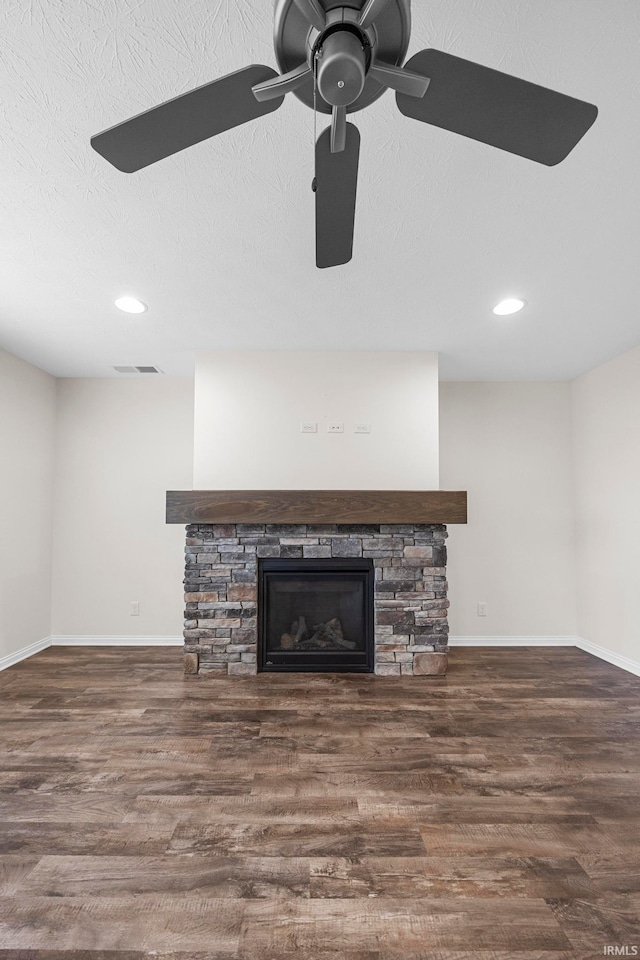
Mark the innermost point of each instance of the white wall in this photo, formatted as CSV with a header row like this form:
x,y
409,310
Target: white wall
x,y
509,445
606,418
27,427
249,406
121,445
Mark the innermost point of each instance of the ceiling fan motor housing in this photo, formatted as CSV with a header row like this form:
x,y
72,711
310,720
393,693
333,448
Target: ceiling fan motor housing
x,y
344,50
341,68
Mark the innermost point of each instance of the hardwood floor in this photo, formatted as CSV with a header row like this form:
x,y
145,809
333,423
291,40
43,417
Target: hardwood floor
x,y
487,815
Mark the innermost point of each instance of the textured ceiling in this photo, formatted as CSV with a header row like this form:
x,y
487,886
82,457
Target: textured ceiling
x,y
219,240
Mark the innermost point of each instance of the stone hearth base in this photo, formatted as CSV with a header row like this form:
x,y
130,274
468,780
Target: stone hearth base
x,y
410,594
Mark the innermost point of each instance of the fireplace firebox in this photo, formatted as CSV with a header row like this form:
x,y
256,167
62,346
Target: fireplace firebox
x,y
316,615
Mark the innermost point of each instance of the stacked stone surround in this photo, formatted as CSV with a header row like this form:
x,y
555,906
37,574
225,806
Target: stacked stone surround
x,y
221,590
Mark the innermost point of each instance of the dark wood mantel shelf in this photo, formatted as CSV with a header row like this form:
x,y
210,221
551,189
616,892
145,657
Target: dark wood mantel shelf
x,y
316,506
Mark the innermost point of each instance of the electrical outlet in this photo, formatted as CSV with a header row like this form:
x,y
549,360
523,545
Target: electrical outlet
x,y
308,426
334,427
362,428
482,609
134,608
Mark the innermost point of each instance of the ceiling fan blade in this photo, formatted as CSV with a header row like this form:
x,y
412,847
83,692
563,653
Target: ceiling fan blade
x,y
496,108
336,183
186,120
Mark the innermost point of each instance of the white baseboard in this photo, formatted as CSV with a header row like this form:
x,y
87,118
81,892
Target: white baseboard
x,y
24,652
617,659
514,641
76,641
119,641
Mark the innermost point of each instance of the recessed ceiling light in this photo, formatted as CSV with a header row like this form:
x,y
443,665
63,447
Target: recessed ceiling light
x,y
130,305
505,307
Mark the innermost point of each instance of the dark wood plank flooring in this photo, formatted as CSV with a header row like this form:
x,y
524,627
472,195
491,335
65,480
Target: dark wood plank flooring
x,y
487,815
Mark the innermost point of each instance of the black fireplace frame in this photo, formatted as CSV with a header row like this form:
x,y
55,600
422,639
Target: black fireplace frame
x,y
306,662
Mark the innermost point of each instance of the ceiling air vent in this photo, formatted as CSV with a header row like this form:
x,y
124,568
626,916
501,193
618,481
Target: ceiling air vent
x,y
137,370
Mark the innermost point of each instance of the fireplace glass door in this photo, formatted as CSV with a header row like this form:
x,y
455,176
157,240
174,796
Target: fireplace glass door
x,y
315,615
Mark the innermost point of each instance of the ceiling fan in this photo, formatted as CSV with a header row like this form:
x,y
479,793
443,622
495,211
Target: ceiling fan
x,y
337,58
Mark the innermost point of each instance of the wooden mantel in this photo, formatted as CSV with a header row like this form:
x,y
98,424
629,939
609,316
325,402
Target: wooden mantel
x,y
316,506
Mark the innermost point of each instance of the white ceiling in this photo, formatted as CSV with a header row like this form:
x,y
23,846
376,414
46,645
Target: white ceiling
x,y
218,240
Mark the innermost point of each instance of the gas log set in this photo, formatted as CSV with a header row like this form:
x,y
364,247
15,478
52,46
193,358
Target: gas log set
x,y
323,636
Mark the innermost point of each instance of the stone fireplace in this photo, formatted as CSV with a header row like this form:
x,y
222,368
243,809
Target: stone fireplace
x,y
265,594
